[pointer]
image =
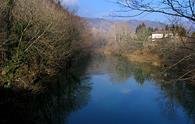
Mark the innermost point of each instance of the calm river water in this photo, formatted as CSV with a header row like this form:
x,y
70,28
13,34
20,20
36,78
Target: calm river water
x,y
126,93
108,90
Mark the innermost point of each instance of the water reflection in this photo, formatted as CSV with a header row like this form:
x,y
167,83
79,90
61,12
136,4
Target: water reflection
x,y
64,94
178,94
103,90
148,97
121,69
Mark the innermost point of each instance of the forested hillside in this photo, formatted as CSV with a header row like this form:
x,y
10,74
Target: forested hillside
x,y
37,37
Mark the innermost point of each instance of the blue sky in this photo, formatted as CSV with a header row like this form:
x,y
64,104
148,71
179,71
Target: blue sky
x,y
103,9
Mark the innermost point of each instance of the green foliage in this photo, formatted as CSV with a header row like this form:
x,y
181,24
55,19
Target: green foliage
x,y
143,32
177,30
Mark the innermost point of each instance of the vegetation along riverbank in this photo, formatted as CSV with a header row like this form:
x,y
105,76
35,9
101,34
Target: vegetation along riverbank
x,y
170,47
37,39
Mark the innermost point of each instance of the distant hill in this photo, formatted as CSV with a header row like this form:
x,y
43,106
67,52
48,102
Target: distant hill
x,y
105,24
134,23
99,23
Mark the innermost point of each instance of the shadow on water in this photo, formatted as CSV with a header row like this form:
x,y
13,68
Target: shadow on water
x,y
64,94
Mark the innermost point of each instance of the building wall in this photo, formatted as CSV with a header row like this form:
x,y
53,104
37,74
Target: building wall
x,y
157,36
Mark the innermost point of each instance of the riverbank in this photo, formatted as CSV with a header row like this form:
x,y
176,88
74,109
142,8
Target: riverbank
x,y
138,56
144,57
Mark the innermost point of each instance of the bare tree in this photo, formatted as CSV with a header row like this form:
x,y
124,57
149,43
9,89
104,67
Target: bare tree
x,y
174,8
179,8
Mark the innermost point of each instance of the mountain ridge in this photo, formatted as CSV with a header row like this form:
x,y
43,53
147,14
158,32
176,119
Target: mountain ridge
x,y
105,24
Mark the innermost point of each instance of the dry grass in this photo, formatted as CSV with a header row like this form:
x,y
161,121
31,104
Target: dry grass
x,y
142,56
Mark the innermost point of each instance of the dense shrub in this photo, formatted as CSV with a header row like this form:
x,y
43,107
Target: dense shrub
x,y
38,37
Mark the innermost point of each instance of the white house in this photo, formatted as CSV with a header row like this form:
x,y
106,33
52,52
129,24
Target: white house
x,y
157,36
161,35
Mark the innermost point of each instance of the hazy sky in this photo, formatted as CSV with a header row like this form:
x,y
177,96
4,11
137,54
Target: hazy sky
x,y
103,9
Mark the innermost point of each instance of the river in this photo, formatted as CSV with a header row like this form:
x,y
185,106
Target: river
x,y
124,93
110,90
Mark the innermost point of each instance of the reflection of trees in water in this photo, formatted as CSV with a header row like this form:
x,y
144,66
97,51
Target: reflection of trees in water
x,y
117,69
175,95
65,94
121,69
140,76
52,106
